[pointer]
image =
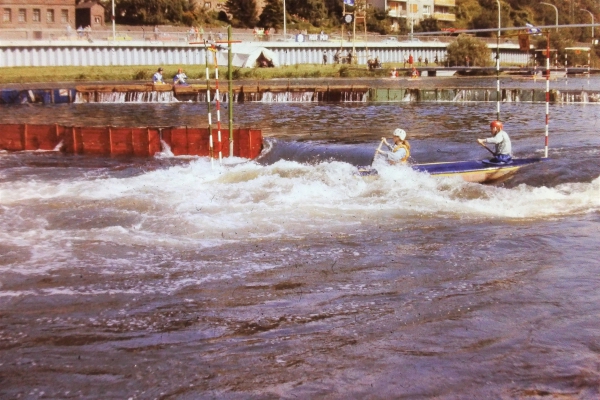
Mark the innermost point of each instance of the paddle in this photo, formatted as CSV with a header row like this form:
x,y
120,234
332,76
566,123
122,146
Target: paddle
x,y
487,148
377,151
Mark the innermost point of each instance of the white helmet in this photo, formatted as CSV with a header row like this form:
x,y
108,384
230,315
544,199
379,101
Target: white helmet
x,y
401,133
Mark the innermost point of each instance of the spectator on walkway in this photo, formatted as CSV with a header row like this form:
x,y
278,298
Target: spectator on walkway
x,y
324,57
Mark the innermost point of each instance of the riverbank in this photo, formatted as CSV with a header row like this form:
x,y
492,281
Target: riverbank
x,y
144,73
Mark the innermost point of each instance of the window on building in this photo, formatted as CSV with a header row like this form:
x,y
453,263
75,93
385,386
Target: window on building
x,y
207,5
64,16
50,16
37,15
7,16
97,20
22,15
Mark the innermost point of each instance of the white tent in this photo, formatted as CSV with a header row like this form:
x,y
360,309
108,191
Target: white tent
x,y
246,56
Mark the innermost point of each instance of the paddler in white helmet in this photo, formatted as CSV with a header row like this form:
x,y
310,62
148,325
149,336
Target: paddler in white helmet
x,y
400,150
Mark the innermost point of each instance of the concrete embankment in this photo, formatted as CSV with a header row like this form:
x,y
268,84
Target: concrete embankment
x,y
270,92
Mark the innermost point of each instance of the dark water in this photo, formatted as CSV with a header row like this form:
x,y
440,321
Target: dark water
x,y
290,277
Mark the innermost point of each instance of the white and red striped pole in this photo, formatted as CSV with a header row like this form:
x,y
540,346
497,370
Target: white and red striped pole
x,y
218,105
547,92
210,140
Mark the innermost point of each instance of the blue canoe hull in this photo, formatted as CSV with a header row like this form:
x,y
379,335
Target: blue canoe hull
x,y
471,171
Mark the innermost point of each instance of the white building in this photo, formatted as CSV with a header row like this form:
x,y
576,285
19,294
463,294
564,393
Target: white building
x,y
416,10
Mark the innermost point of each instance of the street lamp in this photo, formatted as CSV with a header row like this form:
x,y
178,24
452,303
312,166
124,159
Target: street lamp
x,y
592,15
555,10
412,19
284,30
113,19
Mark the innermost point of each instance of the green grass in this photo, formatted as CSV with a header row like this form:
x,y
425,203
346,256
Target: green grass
x,y
144,73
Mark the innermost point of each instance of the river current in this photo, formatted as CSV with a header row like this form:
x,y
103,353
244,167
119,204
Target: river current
x,y
292,277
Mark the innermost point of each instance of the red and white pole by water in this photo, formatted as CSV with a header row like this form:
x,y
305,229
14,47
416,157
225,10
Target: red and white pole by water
x,y
218,104
547,92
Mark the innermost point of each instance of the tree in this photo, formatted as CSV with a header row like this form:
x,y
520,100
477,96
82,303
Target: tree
x,y
429,25
312,10
377,21
154,12
243,13
272,15
469,48
334,9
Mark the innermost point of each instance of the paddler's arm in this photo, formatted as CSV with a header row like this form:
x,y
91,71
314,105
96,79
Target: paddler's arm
x,y
387,144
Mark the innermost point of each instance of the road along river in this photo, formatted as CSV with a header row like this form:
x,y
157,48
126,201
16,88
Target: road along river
x,y
291,277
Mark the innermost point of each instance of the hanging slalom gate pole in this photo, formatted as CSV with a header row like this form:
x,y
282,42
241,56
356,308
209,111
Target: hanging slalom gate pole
x,y
210,140
218,105
498,65
547,91
230,77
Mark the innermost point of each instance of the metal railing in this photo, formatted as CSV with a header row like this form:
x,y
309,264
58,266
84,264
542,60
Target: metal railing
x,y
164,37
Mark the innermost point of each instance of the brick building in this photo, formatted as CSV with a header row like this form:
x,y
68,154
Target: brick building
x,y
89,12
37,14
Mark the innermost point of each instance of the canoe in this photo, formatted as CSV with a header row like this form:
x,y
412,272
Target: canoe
x,y
478,171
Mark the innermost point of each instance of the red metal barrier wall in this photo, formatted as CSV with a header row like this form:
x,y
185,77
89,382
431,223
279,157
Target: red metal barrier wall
x,y
118,141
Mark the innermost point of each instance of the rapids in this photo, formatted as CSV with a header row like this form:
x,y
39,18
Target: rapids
x,y
291,277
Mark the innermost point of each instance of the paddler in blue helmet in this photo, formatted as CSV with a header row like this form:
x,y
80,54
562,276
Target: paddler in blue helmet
x,y
501,141
400,150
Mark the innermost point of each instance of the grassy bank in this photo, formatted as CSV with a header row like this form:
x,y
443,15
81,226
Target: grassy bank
x,y
144,73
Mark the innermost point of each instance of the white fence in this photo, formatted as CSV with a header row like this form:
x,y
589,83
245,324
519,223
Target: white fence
x,y
82,52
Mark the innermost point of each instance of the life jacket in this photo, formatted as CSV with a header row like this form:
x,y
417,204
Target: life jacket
x,y
404,146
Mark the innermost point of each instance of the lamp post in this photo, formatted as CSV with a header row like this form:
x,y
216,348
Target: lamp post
x,y
113,20
555,10
284,18
412,19
592,15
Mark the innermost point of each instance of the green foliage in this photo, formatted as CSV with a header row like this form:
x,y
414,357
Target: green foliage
x,y
272,15
344,71
313,11
153,12
142,75
429,25
244,13
467,46
377,21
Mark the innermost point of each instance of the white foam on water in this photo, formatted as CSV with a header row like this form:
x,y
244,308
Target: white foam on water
x,y
148,223
243,195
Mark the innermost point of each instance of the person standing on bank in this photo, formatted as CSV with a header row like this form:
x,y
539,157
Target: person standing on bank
x,y
157,78
501,141
400,150
324,57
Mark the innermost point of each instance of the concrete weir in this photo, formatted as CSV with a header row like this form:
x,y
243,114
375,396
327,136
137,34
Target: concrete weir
x,y
198,93
269,93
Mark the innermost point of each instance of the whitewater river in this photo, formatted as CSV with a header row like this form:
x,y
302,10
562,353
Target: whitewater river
x,y
290,276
